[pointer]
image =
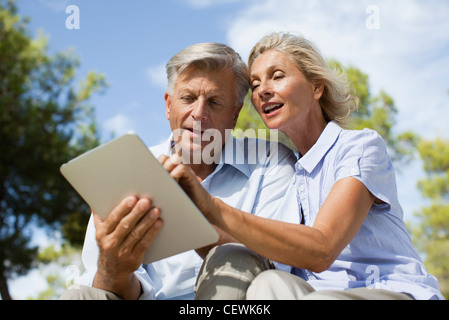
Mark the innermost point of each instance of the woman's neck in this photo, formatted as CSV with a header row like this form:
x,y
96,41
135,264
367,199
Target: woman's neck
x,y
306,134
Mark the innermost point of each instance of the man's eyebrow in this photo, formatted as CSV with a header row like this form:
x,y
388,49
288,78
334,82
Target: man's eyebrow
x,y
185,90
216,94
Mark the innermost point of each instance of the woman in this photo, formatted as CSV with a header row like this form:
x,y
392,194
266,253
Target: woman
x,y
352,236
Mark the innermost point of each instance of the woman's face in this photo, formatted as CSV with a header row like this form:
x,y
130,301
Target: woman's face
x,y
281,94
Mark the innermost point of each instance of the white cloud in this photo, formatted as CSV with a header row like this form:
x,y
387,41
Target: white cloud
x,y
118,125
157,76
405,57
200,4
55,5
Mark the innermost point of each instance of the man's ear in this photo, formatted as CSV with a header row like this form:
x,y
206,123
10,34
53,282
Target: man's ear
x,y
167,105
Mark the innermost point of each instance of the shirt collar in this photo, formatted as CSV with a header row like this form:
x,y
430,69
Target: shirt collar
x,y
233,154
326,140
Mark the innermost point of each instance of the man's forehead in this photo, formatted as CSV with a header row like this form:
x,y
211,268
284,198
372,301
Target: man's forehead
x,y
213,81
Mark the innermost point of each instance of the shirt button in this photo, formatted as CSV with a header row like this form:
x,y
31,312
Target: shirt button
x,y
302,188
299,167
354,171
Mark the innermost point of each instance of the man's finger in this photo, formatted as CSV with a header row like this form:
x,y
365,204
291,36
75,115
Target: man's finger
x,y
129,222
118,213
140,229
148,237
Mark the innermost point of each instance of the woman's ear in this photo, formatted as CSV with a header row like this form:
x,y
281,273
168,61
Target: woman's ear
x,y
318,89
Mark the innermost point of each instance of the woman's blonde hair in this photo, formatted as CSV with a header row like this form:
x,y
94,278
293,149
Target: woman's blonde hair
x,y
338,99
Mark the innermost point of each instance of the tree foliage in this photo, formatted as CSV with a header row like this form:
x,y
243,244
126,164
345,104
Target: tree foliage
x,y
45,120
432,234
378,112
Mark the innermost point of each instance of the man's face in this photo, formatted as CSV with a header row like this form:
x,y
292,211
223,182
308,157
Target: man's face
x,y
202,101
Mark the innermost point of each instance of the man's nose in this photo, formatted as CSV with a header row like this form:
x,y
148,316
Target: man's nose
x,y
199,112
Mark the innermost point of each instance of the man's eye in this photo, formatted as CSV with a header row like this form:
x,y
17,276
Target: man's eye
x,y
215,102
187,99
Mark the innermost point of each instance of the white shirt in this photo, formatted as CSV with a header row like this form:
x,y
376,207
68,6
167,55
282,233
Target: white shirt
x,y
250,177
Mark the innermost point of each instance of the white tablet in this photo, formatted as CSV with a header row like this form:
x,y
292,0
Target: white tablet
x,y
124,167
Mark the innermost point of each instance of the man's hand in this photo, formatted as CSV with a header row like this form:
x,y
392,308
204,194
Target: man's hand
x,y
122,239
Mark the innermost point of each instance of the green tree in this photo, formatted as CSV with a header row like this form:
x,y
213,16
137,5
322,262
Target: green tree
x,y
45,120
379,113
431,235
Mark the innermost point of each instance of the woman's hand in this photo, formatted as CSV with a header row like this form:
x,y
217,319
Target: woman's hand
x,y
189,182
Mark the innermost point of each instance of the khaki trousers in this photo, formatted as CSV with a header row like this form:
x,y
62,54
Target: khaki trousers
x,y
227,272
278,285
233,272
88,293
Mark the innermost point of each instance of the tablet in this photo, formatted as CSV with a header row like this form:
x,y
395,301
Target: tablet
x,y
124,167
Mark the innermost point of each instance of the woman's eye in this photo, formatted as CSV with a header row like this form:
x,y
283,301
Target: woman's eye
x,y
254,86
278,75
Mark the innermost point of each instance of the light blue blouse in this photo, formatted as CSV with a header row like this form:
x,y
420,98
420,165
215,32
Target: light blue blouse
x,y
381,255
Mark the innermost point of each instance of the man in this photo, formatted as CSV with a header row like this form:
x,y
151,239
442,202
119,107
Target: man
x,y
207,85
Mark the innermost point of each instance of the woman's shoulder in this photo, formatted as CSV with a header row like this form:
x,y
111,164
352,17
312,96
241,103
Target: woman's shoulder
x,y
364,138
365,135
360,143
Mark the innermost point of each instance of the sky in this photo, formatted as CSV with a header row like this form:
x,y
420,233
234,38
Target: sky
x,y
402,45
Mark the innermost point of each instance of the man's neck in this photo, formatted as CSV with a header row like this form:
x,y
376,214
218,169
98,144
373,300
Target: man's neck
x,y
202,171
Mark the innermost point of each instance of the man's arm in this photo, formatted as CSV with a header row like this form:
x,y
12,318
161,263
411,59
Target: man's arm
x,y
122,240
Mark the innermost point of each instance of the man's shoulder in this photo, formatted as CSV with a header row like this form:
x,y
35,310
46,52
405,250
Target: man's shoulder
x,y
160,149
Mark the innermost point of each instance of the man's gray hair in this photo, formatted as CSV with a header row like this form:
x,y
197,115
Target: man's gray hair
x,y
210,57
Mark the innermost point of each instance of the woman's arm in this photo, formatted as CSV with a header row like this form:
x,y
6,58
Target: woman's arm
x,y
313,248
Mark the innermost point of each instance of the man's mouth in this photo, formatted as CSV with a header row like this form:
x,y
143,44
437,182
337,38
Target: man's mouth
x,y
195,132
269,108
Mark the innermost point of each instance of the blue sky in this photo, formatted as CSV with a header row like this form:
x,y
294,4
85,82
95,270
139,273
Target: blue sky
x,y
404,51
130,42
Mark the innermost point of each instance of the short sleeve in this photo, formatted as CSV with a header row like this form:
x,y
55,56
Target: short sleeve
x,y
364,156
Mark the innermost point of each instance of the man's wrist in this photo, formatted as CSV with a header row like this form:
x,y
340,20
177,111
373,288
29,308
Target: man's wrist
x,y
127,286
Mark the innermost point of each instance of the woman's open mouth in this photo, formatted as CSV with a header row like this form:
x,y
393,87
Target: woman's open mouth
x,y
272,107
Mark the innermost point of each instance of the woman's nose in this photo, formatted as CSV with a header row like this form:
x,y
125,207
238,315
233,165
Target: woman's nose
x,y
265,89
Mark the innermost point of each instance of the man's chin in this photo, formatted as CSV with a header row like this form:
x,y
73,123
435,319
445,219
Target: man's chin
x,y
192,153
